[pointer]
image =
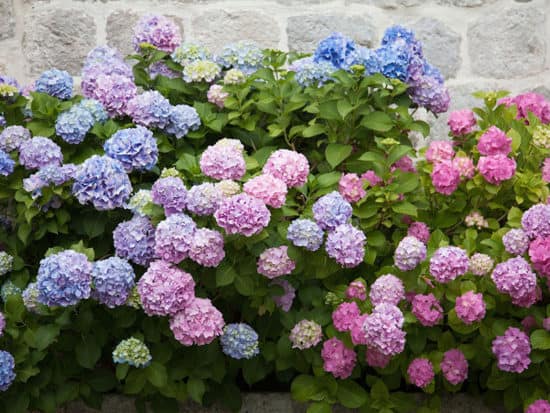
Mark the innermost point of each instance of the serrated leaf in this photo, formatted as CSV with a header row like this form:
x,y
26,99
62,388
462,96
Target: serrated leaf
x,y
336,153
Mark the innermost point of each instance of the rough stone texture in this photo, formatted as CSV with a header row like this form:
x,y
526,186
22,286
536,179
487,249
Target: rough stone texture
x,y
7,22
464,3
440,43
304,32
58,38
388,4
216,28
120,25
508,43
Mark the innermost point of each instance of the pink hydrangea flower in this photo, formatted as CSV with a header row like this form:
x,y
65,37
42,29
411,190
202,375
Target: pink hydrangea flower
x,y
198,323
496,168
272,191
421,372
512,350
439,151
284,301
377,359
454,366
351,188
470,307
207,247
530,102
465,167
447,263
372,178
275,262
224,160
165,289
242,214
404,164
346,245
420,231
338,359
539,406
494,142
515,278
461,122
357,333
387,289
344,315
383,330
445,177
539,252
546,323
289,166
426,309
216,95
546,170
356,290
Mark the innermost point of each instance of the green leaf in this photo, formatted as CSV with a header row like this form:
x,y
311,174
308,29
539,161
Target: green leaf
x,y
397,152
14,308
88,352
344,108
319,407
196,389
225,274
135,381
45,335
405,208
313,130
156,374
304,388
540,339
351,395
379,391
377,121
336,153
328,179
244,285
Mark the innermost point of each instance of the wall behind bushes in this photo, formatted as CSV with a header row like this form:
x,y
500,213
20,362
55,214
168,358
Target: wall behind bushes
x,y
478,44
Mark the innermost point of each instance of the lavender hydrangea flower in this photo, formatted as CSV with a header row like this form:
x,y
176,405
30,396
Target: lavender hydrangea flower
x,y
346,245
387,289
275,262
102,181
516,241
48,175
169,192
114,91
305,233
383,330
100,55
516,278
73,125
183,118
7,370
430,93
331,210
149,109
135,148
186,53
307,72
243,55
173,238
102,60
132,352
95,109
242,214
56,83
203,199
409,253
135,240
512,350
161,69
338,50
239,341
64,279
12,137
447,263
536,221
6,164
113,280
206,247
158,31
285,300
38,152
164,289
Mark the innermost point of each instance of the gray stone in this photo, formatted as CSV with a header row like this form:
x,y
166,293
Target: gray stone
x,y
388,4
542,90
304,32
464,3
508,43
58,38
216,28
441,45
7,22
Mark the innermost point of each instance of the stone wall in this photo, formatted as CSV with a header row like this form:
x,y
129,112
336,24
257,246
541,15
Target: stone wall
x,y
478,44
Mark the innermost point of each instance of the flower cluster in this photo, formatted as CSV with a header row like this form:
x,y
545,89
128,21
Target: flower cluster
x,y
409,253
447,263
7,370
224,160
157,31
38,152
135,240
515,278
244,55
242,214
512,350
275,262
454,366
56,83
383,330
284,301
133,352
198,323
427,309
306,334
113,280
135,148
387,289
170,192
12,137
305,233
338,359
346,245
470,307
239,341
421,372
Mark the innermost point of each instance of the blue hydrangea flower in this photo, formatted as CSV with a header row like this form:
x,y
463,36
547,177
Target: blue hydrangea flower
x,y
183,119
6,164
394,61
135,240
102,181
310,73
369,59
38,152
331,210
64,279
305,233
189,52
95,108
113,280
240,341
7,370
243,55
434,72
400,34
2,120
135,148
9,288
73,125
337,49
133,352
48,175
149,109
12,137
56,83
101,55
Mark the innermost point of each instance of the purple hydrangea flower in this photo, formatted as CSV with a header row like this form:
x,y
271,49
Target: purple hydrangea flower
x,y
113,280
516,241
135,148
284,301
73,125
387,289
409,253
183,118
102,181
38,152
64,279
536,221
305,233
173,238
114,91
206,247
512,350
158,31
430,93
169,192
242,214
161,69
383,330
6,164
331,210
7,370
447,263
516,278
2,324
12,137
135,240
275,262
346,244
56,83
203,199
149,109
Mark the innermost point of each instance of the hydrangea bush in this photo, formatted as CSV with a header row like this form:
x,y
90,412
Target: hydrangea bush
x,y
199,224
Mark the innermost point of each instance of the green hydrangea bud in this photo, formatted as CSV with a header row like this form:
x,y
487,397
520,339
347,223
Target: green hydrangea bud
x,y
333,299
234,77
541,137
6,263
133,352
